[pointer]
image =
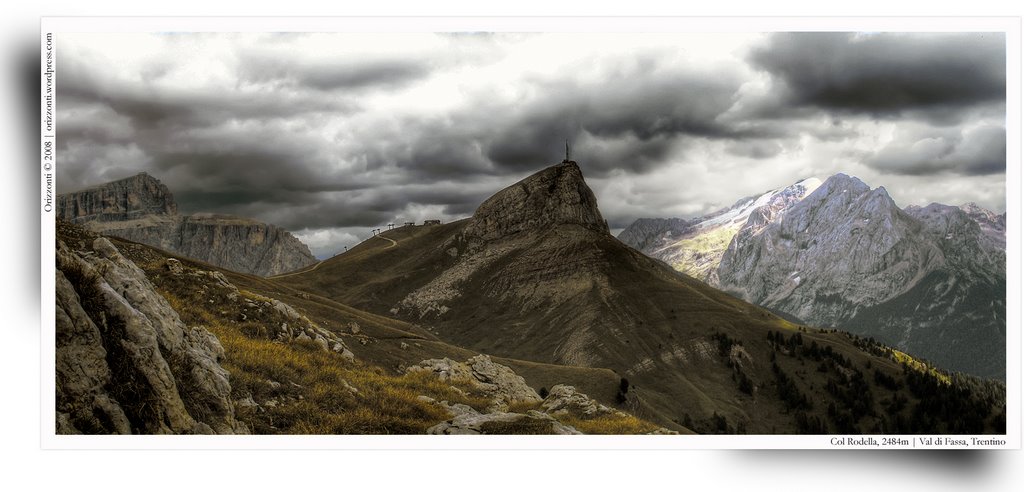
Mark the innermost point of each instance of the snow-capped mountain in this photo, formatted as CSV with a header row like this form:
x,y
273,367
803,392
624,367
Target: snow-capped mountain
x,y
929,280
695,246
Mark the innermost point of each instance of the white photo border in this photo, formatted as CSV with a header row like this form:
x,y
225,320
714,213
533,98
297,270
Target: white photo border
x,y
52,27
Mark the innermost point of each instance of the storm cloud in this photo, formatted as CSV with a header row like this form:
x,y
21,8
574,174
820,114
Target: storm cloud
x,y
330,135
886,73
976,151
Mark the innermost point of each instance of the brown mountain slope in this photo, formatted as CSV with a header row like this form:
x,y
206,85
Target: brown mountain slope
x,y
232,306
535,275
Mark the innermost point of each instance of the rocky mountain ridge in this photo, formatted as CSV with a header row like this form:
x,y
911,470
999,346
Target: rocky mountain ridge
x,y
695,246
928,280
142,209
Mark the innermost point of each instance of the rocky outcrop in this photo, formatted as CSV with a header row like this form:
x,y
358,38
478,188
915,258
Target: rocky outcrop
x,y
565,399
554,196
480,373
276,320
502,385
561,401
125,361
141,209
472,422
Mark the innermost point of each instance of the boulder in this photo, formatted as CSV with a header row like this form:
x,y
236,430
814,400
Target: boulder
x,y
565,399
482,374
174,266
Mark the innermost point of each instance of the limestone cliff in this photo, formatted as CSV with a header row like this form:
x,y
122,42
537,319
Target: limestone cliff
x,y
142,209
125,362
125,199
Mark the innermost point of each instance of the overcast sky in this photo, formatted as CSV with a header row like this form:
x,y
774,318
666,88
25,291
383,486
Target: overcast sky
x,y
330,135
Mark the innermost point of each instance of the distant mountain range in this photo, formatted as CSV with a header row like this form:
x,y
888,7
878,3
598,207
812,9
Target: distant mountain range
x,y
928,280
140,208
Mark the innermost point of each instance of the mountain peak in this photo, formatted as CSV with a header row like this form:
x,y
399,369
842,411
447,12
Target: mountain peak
x,y
810,183
554,196
125,199
974,209
841,183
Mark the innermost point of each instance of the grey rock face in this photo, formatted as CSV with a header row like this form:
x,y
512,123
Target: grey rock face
x,y
975,240
842,247
125,199
125,361
696,246
929,280
82,371
992,225
141,209
556,195
241,245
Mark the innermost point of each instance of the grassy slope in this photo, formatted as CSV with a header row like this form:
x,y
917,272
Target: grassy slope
x,y
698,255
313,395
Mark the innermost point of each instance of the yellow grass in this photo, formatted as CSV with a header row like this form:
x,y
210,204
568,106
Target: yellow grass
x,y
911,362
311,386
609,424
303,389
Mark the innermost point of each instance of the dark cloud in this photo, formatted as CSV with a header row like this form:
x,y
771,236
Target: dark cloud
x,y
886,74
979,151
329,74
363,208
451,147
631,122
755,149
150,106
293,137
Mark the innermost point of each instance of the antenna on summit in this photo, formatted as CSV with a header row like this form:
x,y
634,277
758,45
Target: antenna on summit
x,y
568,153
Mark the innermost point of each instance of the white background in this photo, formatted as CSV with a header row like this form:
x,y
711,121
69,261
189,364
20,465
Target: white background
x,y
24,466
